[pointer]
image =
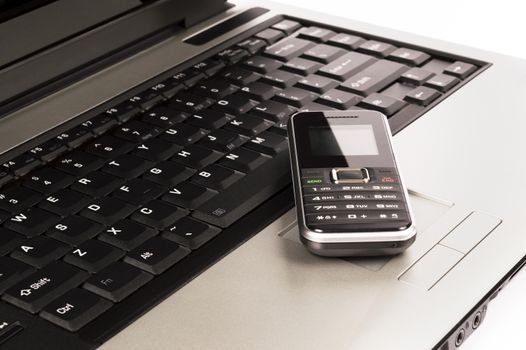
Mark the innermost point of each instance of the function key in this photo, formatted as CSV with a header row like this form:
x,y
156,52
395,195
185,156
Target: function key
x,y
123,112
76,136
346,41
270,35
190,233
301,66
288,48
100,124
170,87
376,48
252,45
287,26
21,164
385,104
409,56
233,55
442,82
188,77
316,34
146,99
323,53
422,95
209,66
5,177
460,69
416,76
51,149
75,309
156,255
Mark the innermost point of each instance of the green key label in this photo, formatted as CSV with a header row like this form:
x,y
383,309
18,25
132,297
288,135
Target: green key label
x,y
314,181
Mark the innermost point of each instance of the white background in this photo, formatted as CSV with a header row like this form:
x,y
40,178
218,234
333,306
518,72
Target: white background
x,y
494,26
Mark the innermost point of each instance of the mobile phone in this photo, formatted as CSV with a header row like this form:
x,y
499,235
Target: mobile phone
x,y
349,194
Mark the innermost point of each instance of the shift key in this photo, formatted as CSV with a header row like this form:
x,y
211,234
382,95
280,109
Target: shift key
x,y
374,78
40,288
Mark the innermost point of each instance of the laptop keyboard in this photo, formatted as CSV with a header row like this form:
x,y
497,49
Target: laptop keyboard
x,y
92,216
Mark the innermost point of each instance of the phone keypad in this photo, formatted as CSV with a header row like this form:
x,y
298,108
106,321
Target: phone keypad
x,y
380,200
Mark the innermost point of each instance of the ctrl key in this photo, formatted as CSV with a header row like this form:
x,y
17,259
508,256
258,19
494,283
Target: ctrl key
x,y
75,309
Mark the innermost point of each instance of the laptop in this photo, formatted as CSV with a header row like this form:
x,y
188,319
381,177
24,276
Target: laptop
x,y
145,191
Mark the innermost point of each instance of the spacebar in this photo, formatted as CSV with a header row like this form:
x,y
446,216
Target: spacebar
x,y
248,193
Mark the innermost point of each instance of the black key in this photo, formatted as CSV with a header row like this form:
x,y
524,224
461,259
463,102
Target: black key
x,y
323,53
74,230
96,184
195,156
51,149
47,180
422,95
158,214
4,215
280,79
117,281
170,87
243,160
189,103
460,69
76,136
127,234
295,96
107,210
138,191
222,140
273,111
235,104
246,194
416,76
156,255
252,45
39,251
188,77
313,106
136,131
191,233
43,286
376,48
9,240
109,147
21,164
239,76
100,124
78,163
215,88
168,173
216,177
375,77
261,64
147,99
31,222
183,134
316,34
339,99
317,83
5,177
270,35
442,82
156,150
301,66
288,48
12,271
93,255
385,104
248,125
232,55
398,90
288,26
347,65
188,195
268,143
123,112
409,56
64,202
163,117
209,119
127,166
259,91
346,41
209,66
75,309
15,199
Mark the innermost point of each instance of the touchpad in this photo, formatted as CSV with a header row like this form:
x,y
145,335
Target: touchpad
x,y
426,211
